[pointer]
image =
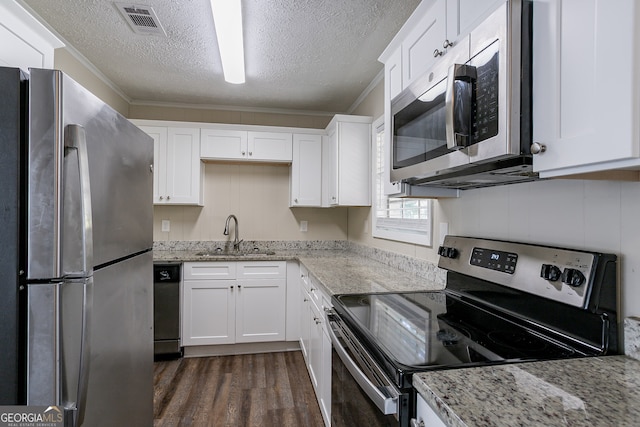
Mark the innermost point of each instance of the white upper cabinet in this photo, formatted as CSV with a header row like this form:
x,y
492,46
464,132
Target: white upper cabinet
x,y
270,146
586,91
306,171
427,35
25,42
425,43
222,144
464,15
347,161
177,171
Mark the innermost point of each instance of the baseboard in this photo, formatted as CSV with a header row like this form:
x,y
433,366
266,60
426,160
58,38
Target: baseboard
x,y
244,348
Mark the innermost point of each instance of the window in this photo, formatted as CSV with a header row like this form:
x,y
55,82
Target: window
x,y
394,218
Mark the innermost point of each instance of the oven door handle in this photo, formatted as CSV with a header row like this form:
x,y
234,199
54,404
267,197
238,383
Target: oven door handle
x,y
387,405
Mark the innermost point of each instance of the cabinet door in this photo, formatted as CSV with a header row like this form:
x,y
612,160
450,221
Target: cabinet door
x,y
354,164
393,75
159,135
584,84
464,15
420,44
223,144
305,324
330,166
208,314
306,171
426,415
260,310
270,146
325,375
314,349
183,171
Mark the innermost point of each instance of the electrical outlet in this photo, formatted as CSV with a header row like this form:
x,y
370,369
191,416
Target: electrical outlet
x,y
303,226
166,225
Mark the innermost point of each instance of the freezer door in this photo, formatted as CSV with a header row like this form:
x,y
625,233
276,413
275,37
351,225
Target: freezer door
x,y
120,391
58,345
119,159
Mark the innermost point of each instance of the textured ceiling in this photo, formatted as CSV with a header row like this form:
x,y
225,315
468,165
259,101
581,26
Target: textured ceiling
x,y
314,55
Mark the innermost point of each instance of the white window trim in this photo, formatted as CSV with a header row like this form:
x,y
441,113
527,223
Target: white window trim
x,y
377,231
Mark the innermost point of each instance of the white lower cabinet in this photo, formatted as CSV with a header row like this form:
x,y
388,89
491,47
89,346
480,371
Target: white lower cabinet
x,y
233,302
315,342
425,415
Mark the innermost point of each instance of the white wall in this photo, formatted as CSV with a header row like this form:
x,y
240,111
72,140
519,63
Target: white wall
x,y
258,194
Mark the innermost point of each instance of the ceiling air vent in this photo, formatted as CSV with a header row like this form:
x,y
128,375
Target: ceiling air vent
x,y
141,19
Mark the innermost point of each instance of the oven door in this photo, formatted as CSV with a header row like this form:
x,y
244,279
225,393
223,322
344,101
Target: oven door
x,y
361,394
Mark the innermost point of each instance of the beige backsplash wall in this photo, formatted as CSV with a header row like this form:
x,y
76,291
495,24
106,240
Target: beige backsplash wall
x,y
259,196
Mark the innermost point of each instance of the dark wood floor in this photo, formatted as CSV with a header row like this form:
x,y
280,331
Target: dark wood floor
x,y
270,389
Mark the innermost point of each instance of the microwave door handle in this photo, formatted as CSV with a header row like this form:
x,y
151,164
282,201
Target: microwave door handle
x,y
458,103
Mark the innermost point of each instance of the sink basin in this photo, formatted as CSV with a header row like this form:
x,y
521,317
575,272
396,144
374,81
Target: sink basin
x,y
221,252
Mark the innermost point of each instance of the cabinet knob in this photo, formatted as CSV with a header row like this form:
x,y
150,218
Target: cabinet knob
x,y
151,168
305,300
295,200
239,286
161,198
251,153
447,44
537,148
168,197
243,153
437,53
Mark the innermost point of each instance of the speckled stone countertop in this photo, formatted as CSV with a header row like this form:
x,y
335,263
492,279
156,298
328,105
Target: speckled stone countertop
x,y
339,270
592,391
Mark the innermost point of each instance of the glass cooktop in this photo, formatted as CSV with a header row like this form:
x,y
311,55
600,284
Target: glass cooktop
x,y
440,330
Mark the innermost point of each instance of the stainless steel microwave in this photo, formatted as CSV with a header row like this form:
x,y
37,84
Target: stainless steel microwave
x,y
466,123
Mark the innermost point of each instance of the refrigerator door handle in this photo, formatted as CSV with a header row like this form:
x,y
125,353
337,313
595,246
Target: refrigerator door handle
x,y
78,409
75,139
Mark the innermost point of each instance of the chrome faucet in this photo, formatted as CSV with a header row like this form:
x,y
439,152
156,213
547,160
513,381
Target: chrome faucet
x,y
236,242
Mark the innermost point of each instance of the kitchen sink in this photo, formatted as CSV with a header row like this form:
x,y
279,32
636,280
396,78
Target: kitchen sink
x,y
221,252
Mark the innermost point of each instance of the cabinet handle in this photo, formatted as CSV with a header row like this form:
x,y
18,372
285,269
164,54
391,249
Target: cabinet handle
x,y
437,53
305,300
313,289
537,148
447,44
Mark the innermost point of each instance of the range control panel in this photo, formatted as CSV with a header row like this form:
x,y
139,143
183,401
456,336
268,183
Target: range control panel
x,y
562,275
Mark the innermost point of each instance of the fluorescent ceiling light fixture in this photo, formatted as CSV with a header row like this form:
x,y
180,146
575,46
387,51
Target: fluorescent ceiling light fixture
x,y
227,17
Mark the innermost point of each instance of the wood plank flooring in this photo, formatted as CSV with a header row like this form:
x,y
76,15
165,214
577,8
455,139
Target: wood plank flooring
x,y
267,389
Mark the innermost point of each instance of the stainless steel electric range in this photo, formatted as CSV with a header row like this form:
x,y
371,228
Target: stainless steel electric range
x,y
504,302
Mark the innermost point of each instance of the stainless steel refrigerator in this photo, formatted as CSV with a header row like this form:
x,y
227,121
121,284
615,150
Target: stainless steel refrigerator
x,y
76,273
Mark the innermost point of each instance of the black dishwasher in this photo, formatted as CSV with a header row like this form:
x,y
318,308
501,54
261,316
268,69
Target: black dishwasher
x,y
166,311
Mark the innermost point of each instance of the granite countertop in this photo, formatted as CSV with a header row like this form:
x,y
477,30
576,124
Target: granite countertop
x,y
338,271
593,391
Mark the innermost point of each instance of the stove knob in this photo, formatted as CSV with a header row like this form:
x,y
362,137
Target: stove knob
x,y
447,252
550,272
572,277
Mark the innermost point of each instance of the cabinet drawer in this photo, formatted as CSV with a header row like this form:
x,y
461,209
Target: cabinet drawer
x,y
209,270
262,269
